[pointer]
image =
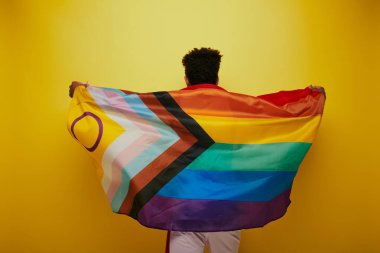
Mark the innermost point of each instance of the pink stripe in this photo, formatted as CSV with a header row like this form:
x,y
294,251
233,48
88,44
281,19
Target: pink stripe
x,y
135,148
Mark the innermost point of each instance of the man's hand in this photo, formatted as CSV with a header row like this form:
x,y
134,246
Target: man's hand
x,y
318,89
75,84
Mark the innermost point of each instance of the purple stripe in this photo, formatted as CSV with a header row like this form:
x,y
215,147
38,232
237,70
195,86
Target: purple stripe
x,y
211,215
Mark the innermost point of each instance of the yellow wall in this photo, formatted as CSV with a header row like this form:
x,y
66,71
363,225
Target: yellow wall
x,y
51,200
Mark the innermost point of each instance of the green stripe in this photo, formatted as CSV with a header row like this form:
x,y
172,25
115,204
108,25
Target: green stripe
x,y
282,156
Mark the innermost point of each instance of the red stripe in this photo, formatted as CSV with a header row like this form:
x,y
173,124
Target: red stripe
x,y
288,96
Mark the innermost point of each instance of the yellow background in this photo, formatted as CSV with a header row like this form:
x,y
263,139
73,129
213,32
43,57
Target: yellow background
x,y
51,199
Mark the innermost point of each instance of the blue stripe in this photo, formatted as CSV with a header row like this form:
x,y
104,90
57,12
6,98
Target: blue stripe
x,y
228,185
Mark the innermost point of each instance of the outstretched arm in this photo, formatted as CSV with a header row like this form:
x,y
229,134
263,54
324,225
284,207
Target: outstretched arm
x,y
75,84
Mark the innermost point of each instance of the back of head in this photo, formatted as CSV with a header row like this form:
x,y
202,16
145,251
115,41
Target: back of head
x,y
202,65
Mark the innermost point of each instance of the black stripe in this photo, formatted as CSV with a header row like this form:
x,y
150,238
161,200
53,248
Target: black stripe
x,y
203,143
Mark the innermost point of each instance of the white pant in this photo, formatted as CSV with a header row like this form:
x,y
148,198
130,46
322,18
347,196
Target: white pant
x,y
195,242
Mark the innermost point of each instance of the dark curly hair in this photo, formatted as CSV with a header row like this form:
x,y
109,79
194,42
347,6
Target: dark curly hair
x,y
202,65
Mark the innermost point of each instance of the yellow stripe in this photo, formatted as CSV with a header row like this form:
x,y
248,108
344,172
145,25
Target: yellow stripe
x,y
258,131
86,130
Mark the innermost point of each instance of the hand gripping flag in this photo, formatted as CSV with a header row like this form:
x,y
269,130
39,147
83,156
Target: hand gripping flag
x,y
196,160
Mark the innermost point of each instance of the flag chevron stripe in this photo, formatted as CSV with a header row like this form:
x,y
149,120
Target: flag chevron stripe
x,y
149,154
252,157
125,139
185,141
228,185
203,142
130,151
131,135
259,130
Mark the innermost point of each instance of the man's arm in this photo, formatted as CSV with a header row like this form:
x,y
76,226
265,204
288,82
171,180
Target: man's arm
x,y
75,84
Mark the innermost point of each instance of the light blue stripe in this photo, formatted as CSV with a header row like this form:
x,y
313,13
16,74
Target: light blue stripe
x,y
228,185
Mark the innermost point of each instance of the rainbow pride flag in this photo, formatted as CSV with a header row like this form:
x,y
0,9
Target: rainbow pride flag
x,y
197,160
